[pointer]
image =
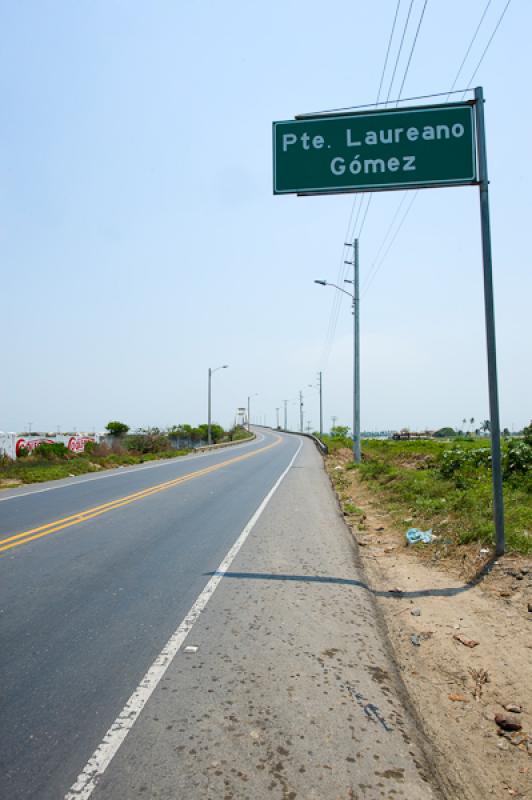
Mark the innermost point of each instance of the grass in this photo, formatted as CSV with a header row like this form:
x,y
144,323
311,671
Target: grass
x,y
33,469
459,508
351,508
49,466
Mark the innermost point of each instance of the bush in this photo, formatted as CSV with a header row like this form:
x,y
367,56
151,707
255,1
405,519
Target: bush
x,y
457,459
517,458
146,443
237,433
459,462
51,451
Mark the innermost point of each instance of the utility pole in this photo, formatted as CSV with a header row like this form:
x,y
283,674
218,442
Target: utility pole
x,y
277,413
356,350
285,414
301,412
356,358
333,419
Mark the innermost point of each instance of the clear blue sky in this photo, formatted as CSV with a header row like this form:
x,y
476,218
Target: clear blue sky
x,y
141,243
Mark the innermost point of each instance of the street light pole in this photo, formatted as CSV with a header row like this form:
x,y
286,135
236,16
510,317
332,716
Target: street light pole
x,y
209,409
321,404
355,300
209,437
249,418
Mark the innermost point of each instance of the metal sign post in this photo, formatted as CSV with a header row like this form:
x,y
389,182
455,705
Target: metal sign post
x,y
381,150
496,468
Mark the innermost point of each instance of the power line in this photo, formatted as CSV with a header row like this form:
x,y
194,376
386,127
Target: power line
x,y
380,103
368,283
488,44
412,49
471,43
398,6
371,278
336,304
383,242
370,198
337,299
405,26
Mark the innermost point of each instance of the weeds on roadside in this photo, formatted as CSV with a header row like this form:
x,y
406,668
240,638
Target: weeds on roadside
x,y
448,487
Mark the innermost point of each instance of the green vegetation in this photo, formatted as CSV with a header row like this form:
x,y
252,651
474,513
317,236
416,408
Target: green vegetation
x,y
447,487
445,433
51,461
351,508
337,439
116,428
200,434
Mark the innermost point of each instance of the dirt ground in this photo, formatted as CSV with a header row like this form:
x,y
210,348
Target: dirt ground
x,y
461,631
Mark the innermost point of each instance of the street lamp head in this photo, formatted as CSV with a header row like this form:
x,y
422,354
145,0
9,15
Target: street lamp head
x,y
349,262
225,366
322,283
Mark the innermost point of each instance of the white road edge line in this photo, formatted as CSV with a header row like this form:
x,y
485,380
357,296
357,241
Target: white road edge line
x,y
101,758
128,471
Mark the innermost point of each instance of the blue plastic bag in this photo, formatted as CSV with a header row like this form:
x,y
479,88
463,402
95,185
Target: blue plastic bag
x,y
415,535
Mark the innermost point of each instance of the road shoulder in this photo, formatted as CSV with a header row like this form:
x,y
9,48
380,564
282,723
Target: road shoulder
x,y
463,645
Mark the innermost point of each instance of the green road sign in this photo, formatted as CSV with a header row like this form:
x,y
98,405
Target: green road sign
x,y
375,150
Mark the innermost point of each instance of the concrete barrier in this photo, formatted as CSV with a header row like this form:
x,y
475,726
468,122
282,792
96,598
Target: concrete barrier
x,y
322,447
204,448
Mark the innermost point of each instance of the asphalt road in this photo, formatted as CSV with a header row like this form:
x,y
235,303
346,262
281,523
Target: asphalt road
x,y
98,574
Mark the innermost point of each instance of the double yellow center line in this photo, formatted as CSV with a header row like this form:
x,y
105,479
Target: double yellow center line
x,y
8,542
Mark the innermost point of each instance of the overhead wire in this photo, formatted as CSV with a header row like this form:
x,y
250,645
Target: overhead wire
x,y
336,302
405,26
397,7
374,105
488,45
372,275
375,266
383,242
352,232
471,43
412,48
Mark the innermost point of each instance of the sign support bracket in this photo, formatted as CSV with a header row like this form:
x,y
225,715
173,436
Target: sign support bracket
x,y
495,431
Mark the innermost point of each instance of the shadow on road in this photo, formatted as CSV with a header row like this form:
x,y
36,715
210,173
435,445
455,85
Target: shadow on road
x,y
392,594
